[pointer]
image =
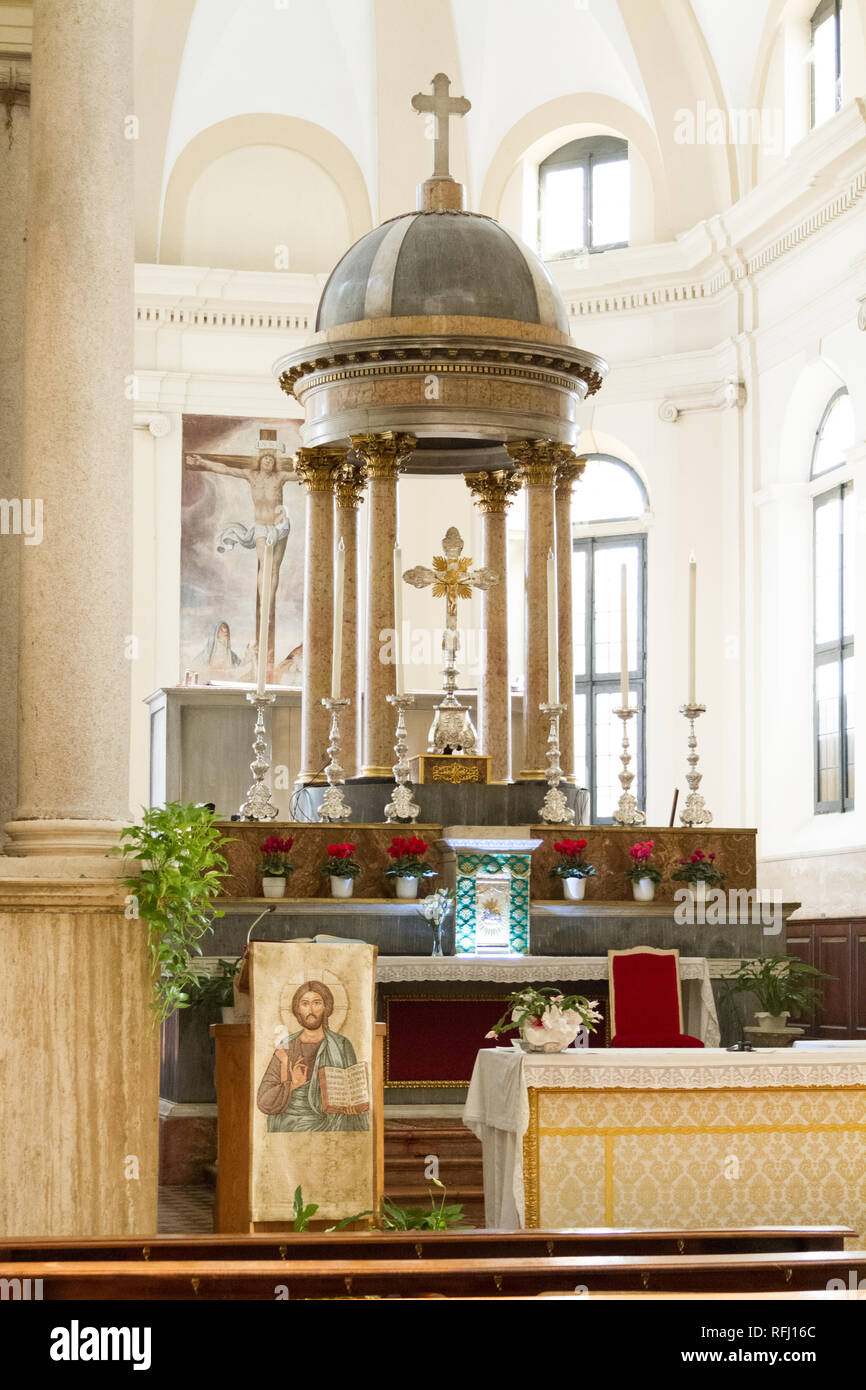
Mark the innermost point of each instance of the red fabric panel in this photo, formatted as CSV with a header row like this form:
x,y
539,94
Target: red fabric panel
x,y
645,995
655,1040
437,1040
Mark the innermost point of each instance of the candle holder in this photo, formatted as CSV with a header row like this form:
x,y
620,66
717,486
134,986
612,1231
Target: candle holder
x,y
694,812
258,805
402,805
555,808
334,805
626,812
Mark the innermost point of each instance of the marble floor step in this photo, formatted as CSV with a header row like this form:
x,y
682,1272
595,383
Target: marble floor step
x,y
421,1141
453,1172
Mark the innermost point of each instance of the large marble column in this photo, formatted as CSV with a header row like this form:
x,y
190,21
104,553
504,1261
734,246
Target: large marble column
x,y
538,460
492,493
317,472
383,455
79,1130
351,482
566,476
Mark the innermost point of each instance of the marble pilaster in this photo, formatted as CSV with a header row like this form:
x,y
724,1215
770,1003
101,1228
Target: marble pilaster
x,y
566,476
492,494
538,460
383,455
351,482
317,470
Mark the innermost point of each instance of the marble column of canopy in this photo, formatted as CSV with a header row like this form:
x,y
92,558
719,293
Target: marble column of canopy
x,y
538,460
317,471
351,483
567,475
383,456
493,493
79,1154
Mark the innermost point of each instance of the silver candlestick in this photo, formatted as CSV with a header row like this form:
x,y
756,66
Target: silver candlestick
x,y
402,805
555,808
334,805
694,812
258,805
626,812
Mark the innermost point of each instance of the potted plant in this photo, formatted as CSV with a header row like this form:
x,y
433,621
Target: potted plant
x,y
783,985
548,1020
342,869
641,873
435,909
572,868
699,868
217,990
275,865
408,864
182,872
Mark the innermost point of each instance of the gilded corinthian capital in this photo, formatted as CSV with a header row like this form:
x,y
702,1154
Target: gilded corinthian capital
x,y
383,454
539,459
567,473
351,482
492,492
317,469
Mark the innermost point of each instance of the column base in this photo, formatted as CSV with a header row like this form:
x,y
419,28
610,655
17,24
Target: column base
x,y
65,838
529,774
378,772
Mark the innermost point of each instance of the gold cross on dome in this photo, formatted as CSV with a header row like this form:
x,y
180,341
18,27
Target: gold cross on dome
x,y
452,576
443,107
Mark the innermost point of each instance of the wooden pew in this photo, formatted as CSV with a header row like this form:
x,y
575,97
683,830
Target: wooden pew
x,y
450,1278
412,1245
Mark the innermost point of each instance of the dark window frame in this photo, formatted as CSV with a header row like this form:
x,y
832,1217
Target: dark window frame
x,y
823,12
591,685
582,154
826,653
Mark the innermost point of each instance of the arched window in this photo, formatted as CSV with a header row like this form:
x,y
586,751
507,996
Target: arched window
x,y
584,197
833,595
609,493
825,57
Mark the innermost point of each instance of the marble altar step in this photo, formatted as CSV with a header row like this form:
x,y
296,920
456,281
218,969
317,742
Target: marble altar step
x,y
408,1147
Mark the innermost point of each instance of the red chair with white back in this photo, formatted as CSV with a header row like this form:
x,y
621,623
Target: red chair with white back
x,y
646,1002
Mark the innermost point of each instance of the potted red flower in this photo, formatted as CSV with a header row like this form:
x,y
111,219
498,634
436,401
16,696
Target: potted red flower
x,y
643,875
408,864
698,868
572,868
342,869
275,865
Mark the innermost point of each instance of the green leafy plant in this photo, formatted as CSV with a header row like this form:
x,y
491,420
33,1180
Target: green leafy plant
x,y
433,1218
303,1214
781,984
182,871
217,989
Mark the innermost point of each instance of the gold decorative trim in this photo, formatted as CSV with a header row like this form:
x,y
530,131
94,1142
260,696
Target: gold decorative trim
x,y
493,492
456,774
530,1162
351,483
316,469
383,454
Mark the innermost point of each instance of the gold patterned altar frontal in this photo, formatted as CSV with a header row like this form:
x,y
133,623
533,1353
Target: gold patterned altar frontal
x,y
695,1159
454,768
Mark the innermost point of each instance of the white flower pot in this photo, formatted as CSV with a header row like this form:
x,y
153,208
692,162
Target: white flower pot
x,y
773,1023
273,886
644,890
573,888
547,1039
341,887
406,887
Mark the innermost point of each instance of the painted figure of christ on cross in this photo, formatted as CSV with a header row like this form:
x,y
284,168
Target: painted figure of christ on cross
x,y
266,473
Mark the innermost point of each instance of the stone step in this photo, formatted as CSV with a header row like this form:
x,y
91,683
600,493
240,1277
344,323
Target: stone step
x,y
422,1141
453,1173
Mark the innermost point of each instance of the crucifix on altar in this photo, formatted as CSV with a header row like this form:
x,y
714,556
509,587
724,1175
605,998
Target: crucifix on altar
x,y
441,190
452,578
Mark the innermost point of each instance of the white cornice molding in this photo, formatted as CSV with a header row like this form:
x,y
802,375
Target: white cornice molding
x,y
727,395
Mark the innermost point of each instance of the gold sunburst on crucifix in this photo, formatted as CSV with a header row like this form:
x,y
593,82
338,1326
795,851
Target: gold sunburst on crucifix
x,y
452,576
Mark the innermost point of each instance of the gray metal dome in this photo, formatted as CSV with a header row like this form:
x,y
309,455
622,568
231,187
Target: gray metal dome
x,y
440,262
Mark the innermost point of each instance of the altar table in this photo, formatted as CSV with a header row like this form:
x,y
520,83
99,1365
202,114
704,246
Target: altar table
x,y
646,1137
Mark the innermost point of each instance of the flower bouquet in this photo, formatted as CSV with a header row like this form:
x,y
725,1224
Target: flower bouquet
x,y
548,1020
434,910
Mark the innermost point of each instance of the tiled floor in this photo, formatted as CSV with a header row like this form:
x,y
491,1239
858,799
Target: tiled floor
x,y
186,1211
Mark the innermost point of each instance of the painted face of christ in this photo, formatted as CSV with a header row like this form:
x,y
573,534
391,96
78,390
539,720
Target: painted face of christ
x,y
310,1011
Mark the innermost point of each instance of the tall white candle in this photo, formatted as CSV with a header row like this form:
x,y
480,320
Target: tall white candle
x,y
623,643
264,618
693,585
552,633
337,642
398,619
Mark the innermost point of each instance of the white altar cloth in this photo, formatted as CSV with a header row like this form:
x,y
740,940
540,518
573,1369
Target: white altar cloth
x,y
699,1008
497,1109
